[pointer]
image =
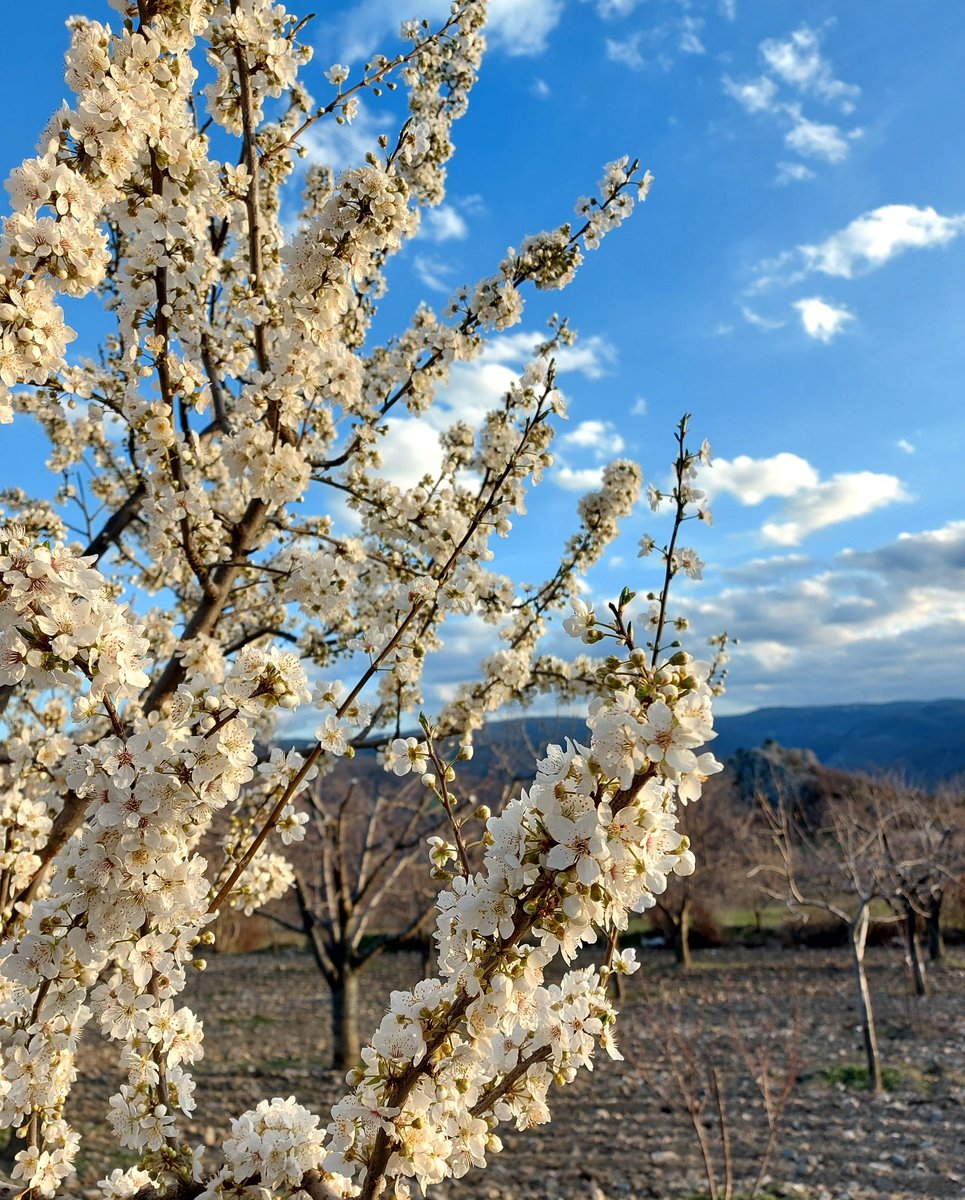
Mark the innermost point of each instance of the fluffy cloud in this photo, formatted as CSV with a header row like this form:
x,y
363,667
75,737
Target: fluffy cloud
x,y
753,480
822,320
517,27
409,451
810,503
690,42
522,27
757,572
841,631
759,322
599,436
797,60
591,356
443,224
608,9
937,555
411,447
877,236
756,95
626,52
792,173
814,139
339,146
583,480
433,272
866,244
840,498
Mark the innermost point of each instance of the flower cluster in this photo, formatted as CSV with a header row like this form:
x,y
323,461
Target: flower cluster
x,y
278,1143
234,399
593,840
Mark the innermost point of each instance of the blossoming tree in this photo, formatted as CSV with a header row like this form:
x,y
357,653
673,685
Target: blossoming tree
x,y
238,392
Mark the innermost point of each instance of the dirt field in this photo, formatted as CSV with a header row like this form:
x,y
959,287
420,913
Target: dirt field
x,y
613,1137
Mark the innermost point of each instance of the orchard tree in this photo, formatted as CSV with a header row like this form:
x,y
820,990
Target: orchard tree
x,y
945,855
925,859
723,831
237,405
836,862
354,888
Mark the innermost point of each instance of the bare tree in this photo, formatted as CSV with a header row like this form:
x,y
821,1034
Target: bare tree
x,y
362,843
836,863
693,1072
719,870
926,858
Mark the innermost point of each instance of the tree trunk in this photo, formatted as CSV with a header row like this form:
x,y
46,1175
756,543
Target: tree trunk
x,y
936,940
913,951
346,1044
859,936
681,935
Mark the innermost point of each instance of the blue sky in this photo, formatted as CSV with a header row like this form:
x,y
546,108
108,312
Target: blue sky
x,y
794,280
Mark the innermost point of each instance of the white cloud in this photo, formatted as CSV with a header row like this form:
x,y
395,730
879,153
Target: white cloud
x,y
905,445
473,390
797,60
690,42
875,237
432,272
340,146
583,480
522,27
793,173
754,318
475,387
409,450
599,436
757,572
753,480
540,89
840,498
813,139
608,9
869,242
756,95
626,52
591,356
639,407
443,224
822,320
728,9
517,27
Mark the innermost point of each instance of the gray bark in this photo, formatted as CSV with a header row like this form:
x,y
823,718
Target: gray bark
x,y
936,940
346,1043
859,936
913,951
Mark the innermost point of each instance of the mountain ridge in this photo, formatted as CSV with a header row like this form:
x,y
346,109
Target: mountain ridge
x,y
922,741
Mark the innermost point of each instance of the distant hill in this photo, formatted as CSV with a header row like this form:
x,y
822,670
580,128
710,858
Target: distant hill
x,y
922,740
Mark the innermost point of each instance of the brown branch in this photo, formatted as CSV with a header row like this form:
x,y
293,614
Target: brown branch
x,y
493,1095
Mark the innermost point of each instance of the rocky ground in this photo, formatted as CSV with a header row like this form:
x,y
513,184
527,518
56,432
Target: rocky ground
x,y
619,1133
